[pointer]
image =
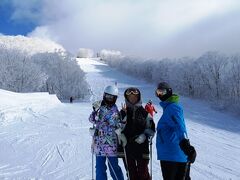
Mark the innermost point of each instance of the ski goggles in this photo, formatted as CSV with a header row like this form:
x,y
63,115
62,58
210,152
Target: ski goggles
x,y
160,92
132,91
110,97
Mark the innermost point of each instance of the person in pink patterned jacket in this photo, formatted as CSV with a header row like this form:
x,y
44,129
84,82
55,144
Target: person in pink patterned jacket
x,y
106,120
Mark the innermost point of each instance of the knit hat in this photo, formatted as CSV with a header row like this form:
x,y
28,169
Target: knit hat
x,y
163,85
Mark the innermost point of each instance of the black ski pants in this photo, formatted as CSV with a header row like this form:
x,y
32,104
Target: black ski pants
x,y
175,170
138,169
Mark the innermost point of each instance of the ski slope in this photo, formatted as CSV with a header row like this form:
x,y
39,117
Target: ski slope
x,y
41,138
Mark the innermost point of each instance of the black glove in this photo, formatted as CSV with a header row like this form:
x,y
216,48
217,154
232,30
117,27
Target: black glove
x,y
188,150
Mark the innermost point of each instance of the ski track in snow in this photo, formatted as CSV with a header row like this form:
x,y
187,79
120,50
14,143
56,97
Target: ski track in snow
x,y
41,138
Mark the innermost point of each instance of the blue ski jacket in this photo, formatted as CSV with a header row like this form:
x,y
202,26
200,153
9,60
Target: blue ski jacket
x,y
171,130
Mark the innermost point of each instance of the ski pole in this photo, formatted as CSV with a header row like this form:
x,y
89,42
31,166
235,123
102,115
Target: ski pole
x,y
92,166
150,142
92,159
125,154
187,169
111,167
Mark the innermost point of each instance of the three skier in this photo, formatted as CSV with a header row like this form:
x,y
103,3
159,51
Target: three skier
x,y
127,134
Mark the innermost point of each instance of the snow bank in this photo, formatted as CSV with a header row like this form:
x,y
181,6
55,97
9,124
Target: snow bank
x,y
15,107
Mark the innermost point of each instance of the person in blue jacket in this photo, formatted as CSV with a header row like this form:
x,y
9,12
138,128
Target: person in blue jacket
x,y
171,130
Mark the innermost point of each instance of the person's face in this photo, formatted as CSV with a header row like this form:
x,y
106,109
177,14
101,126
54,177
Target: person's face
x,y
109,99
160,92
132,98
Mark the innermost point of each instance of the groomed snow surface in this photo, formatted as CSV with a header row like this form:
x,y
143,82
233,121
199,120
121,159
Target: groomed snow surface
x,y
41,138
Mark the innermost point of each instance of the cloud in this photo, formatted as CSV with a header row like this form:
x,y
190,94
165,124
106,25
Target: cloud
x,y
143,27
27,11
43,32
218,33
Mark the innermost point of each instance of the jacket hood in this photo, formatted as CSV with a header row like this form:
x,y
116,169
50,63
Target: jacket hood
x,y
138,103
172,99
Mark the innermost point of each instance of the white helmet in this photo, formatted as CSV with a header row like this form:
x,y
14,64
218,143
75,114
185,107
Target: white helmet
x,y
113,90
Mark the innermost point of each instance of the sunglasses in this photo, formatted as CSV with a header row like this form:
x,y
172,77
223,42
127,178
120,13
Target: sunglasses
x,y
160,92
132,91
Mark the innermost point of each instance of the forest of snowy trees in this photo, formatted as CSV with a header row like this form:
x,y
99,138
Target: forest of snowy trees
x,y
56,72
213,76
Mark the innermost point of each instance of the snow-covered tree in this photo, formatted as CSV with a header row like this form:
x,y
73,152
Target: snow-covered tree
x,y
110,54
213,76
29,65
29,45
212,66
64,77
18,73
85,53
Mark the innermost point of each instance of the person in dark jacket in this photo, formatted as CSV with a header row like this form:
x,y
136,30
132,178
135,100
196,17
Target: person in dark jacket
x,y
139,127
71,99
171,130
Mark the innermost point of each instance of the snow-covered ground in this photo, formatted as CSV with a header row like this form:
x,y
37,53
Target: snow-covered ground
x,y
40,138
